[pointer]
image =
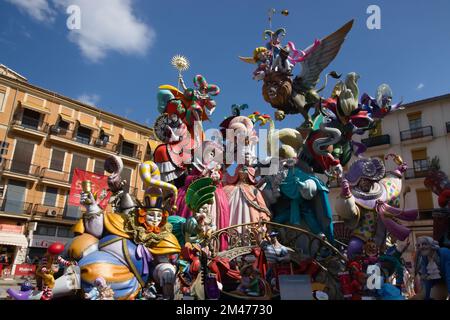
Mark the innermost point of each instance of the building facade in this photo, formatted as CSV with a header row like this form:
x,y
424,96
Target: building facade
x,y
418,133
44,136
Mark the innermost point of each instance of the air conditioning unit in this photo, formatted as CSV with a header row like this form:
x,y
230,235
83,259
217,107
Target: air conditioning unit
x,y
51,213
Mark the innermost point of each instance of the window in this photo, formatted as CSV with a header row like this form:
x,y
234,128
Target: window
x,y
83,135
63,125
71,212
415,120
50,196
2,98
127,149
23,154
31,119
65,232
79,162
57,161
15,197
104,138
46,230
99,167
420,159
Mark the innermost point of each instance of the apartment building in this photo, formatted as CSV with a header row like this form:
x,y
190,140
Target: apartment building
x,y
419,133
44,136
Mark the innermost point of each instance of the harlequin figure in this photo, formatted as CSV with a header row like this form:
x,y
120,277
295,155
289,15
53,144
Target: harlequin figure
x,y
48,266
368,203
128,247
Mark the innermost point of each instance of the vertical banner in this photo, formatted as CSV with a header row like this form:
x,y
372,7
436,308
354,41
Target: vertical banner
x,y
99,187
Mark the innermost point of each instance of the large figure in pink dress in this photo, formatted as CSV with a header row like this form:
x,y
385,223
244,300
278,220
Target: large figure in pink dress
x,y
245,199
210,166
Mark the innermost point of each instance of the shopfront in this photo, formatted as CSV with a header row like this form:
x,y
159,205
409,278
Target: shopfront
x,y
44,236
13,248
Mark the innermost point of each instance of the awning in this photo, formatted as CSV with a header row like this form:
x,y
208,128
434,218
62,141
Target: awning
x,y
86,124
66,118
107,131
130,138
13,239
35,107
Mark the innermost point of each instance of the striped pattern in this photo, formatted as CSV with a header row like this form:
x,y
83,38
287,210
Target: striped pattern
x,y
115,272
152,178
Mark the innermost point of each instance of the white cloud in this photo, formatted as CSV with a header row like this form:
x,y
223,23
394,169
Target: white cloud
x,y
91,99
420,86
39,10
109,25
106,25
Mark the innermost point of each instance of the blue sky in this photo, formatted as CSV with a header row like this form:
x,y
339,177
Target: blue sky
x,y
123,52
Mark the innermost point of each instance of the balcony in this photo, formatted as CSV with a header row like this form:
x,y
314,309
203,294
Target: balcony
x,y
30,127
16,208
423,133
55,178
447,125
48,212
20,170
414,173
374,141
92,144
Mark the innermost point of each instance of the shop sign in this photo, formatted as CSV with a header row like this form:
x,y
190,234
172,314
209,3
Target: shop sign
x,y
25,270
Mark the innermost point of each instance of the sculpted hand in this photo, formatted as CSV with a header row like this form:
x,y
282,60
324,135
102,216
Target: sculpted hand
x,y
88,201
345,189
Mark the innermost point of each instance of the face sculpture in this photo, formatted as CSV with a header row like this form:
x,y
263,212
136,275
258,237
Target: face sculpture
x,y
277,89
153,217
424,247
203,215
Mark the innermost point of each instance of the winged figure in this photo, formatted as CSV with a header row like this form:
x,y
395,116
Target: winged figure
x,y
300,94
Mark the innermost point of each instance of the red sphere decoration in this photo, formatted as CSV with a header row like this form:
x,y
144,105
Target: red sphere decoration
x,y
55,248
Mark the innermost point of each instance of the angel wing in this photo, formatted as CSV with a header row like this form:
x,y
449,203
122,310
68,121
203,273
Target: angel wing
x,y
322,56
248,59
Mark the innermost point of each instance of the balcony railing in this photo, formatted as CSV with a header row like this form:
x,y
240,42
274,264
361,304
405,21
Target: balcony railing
x,y
135,154
95,142
414,173
416,133
48,211
60,176
377,140
447,125
15,206
110,146
31,125
17,166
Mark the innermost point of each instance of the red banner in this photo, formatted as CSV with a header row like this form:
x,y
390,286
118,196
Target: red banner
x,y
25,270
98,184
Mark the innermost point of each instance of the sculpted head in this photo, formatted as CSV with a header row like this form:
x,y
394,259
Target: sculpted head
x,y
277,88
